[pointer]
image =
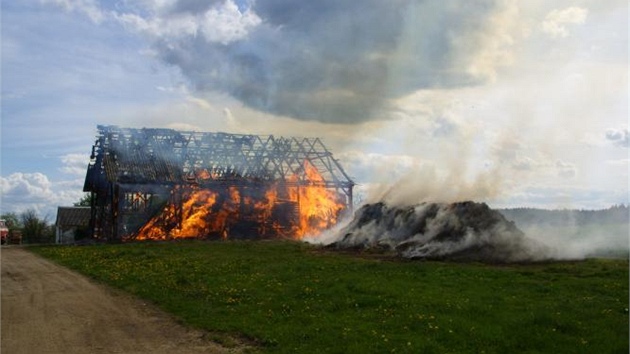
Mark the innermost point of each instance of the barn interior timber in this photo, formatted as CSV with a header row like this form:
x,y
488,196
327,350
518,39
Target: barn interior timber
x,y
160,184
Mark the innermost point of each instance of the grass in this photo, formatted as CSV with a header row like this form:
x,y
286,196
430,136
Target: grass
x,y
290,297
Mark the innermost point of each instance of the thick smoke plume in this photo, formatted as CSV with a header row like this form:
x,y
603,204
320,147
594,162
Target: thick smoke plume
x,y
330,60
457,231
577,234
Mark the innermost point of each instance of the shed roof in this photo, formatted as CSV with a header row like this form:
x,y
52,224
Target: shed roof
x,y
73,216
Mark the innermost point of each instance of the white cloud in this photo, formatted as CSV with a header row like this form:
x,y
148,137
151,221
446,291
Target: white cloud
x,y
224,23
174,27
556,21
87,7
227,23
74,164
25,184
22,191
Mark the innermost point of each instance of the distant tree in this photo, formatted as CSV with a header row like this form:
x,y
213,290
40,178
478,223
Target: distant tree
x,y
12,220
35,229
86,200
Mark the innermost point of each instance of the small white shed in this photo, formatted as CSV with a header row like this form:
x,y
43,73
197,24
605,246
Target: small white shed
x,y
70,221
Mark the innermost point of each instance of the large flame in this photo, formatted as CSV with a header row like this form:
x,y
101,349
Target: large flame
x,y
319,207
195,211
293,209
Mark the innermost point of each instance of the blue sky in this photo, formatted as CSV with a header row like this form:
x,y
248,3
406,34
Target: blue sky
x,y
509,102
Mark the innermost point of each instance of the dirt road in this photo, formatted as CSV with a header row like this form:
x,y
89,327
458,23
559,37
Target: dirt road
x,y
50,309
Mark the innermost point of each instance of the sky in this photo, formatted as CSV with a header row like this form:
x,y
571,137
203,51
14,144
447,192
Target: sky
x,y
512,103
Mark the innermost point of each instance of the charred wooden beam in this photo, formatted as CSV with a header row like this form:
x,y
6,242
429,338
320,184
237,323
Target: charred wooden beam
x,y
158,164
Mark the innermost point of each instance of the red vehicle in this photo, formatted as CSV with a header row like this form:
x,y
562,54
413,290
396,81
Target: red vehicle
x,y
4,231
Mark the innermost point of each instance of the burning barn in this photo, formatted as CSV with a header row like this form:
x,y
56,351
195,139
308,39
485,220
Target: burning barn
x,y
163,184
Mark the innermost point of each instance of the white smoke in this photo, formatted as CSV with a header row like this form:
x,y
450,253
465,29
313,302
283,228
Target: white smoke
x,y
573,242
577,234
458,231
474,232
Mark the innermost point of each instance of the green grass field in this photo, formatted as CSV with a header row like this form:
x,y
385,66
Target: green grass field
x,y
290,297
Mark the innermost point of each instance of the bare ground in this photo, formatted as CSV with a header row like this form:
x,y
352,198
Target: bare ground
x,y
49,309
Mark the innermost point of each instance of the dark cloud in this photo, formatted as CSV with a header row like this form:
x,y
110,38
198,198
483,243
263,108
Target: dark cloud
x,y
338,60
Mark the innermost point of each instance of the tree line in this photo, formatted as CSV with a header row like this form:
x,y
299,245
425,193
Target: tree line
x,y
616,214
34,229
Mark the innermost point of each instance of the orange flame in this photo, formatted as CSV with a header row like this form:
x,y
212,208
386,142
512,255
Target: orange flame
x,y
203,174
194,213
306,208
319,207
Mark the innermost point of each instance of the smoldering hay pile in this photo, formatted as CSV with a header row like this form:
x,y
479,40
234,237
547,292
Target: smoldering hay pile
x,y
463,231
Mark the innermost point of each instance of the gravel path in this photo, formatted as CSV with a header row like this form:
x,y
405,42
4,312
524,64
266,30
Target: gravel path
x,y
47,308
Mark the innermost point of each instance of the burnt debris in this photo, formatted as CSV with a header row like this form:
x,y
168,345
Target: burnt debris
x,y
459,231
